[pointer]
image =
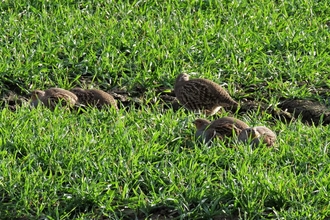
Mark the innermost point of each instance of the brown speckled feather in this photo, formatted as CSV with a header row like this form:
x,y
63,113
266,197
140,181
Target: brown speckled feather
x,y
58,98
228,126
201,94
94,97
221,128
52,97
257,135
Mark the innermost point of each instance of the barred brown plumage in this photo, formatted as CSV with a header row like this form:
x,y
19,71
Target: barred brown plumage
x,y
52,97
221,128
201,95
94,97
257,135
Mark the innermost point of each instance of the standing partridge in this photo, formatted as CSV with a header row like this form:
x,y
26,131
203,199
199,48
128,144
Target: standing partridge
x,y
52,97
221,128
94,97
258,135
201,95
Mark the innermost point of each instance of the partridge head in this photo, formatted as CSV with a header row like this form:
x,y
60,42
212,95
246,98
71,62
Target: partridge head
x,y
203,134
220,128
36,96
52,97
201,95
94,97
258,135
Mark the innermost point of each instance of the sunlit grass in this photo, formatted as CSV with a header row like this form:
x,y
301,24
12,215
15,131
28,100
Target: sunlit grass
x,y
141,162
100,162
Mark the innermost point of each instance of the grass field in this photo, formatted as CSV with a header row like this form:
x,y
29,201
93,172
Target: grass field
x,y
143,162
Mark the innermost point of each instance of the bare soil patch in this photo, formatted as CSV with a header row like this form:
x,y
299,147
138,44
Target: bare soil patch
x,y
310,111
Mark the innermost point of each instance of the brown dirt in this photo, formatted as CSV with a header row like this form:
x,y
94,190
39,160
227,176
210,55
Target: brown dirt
x,y
311,112
12,100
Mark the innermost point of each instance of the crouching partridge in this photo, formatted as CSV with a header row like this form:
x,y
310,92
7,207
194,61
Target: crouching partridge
x,y
52,97
201,95
221,128
94,97
258,135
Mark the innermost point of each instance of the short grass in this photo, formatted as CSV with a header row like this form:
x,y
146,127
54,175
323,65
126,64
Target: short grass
x,y
143,162
107,164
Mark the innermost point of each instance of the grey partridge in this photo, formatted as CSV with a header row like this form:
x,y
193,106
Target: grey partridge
x,y
52,97
201,95
94,97
221,128
258,135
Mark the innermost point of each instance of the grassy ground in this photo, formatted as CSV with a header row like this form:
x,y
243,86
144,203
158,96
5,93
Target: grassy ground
x,y
144,162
